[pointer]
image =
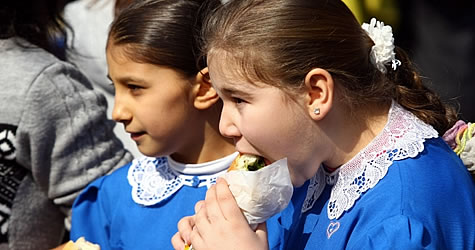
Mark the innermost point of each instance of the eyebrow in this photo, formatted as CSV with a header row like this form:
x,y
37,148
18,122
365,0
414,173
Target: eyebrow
x,y
127,79
232,91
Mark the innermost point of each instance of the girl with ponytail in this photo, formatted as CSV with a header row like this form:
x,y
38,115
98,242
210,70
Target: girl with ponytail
x,y
303,80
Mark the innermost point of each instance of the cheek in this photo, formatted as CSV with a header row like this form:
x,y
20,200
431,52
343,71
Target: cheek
x,y
162,121
267,137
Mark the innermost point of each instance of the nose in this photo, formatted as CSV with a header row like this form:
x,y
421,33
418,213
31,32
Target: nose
x,y
120,112
227,127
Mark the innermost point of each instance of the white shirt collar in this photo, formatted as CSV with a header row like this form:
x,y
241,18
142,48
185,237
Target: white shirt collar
x,y
155,179
402,137
206,168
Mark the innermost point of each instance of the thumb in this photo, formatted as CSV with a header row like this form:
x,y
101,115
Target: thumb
x,y
261,232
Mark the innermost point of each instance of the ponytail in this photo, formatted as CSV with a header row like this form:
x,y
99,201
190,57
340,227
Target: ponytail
x,y
414,96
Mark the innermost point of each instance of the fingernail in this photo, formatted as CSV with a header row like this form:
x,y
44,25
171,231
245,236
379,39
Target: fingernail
x,y
221,180
187,239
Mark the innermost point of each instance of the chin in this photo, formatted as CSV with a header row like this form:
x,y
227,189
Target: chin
x,y
148,151
297,181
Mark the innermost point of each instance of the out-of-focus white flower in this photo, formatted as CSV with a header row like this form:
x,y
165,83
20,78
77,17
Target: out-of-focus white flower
x,y
382,51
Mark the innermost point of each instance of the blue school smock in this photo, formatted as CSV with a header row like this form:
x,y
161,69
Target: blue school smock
x,y
420,196
139,205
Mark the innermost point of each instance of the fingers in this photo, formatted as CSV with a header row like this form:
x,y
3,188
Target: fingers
x,y
227,203
196,240
185,227
198,206
213,210
177,242
261,230
202,221
218,222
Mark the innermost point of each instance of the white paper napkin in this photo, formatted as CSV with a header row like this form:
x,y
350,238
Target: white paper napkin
x,y
263,193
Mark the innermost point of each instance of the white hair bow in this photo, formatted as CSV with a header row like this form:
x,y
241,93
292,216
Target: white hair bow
x,y
382,51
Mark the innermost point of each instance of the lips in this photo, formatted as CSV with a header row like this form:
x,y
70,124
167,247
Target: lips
x,y
267,161
136,135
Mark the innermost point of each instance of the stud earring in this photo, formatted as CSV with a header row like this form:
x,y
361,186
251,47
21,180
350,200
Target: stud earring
x,y
316,111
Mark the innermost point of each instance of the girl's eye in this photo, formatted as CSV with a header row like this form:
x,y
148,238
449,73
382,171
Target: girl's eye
x,y
133,87
238,100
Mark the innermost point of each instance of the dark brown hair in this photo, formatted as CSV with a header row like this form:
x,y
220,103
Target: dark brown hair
x,y
120,5
162,33
39,22
279,41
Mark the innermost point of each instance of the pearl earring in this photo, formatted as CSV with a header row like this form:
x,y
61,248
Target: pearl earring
x,y
316,111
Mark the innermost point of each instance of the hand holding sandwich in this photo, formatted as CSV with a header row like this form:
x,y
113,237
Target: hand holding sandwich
x,y
236,208
219,224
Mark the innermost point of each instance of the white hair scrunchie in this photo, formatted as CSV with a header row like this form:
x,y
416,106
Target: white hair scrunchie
x,y
382,51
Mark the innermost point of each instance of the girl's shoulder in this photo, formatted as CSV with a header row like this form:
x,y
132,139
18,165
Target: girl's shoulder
x,y
407,154
30,61
110,183
436,169
37,73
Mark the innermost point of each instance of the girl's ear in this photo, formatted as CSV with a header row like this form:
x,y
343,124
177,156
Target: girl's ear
x,y
205,95
319,92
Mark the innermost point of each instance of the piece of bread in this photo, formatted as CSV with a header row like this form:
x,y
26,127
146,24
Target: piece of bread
x,y
247,162
81,244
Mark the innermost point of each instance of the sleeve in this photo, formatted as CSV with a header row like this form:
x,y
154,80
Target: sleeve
x,y
65,136
275,233
90,215
398,232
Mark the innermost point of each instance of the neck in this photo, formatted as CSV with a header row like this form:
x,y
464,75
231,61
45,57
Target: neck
x,y
216,146
208,145
351,136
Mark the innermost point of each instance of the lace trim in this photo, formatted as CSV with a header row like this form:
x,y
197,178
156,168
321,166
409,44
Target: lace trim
x,y
403,137
324,177
152,180
314,190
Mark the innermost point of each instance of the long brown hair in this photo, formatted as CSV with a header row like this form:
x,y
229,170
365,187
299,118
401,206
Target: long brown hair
x,y
162,33
279,41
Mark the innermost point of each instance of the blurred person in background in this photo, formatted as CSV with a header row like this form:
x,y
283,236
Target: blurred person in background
x,y
55,137
90,20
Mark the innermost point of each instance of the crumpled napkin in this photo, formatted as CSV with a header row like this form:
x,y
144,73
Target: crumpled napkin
x,y
263,193
468,156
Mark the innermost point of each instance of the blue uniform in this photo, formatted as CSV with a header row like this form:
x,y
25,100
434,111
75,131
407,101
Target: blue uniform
x,y
405,190
139,205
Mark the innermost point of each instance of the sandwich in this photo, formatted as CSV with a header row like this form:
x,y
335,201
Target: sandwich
x,y
81,244
243,162
247,162
260,189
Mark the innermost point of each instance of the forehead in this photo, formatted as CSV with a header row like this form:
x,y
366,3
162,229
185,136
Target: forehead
x,y
225,68
118,53
227,82
230,74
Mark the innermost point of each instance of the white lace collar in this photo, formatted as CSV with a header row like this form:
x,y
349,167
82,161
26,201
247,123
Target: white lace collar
x,y
155,179
402,137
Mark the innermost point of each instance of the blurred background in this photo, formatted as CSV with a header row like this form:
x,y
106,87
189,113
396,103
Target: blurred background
x,y
439,36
